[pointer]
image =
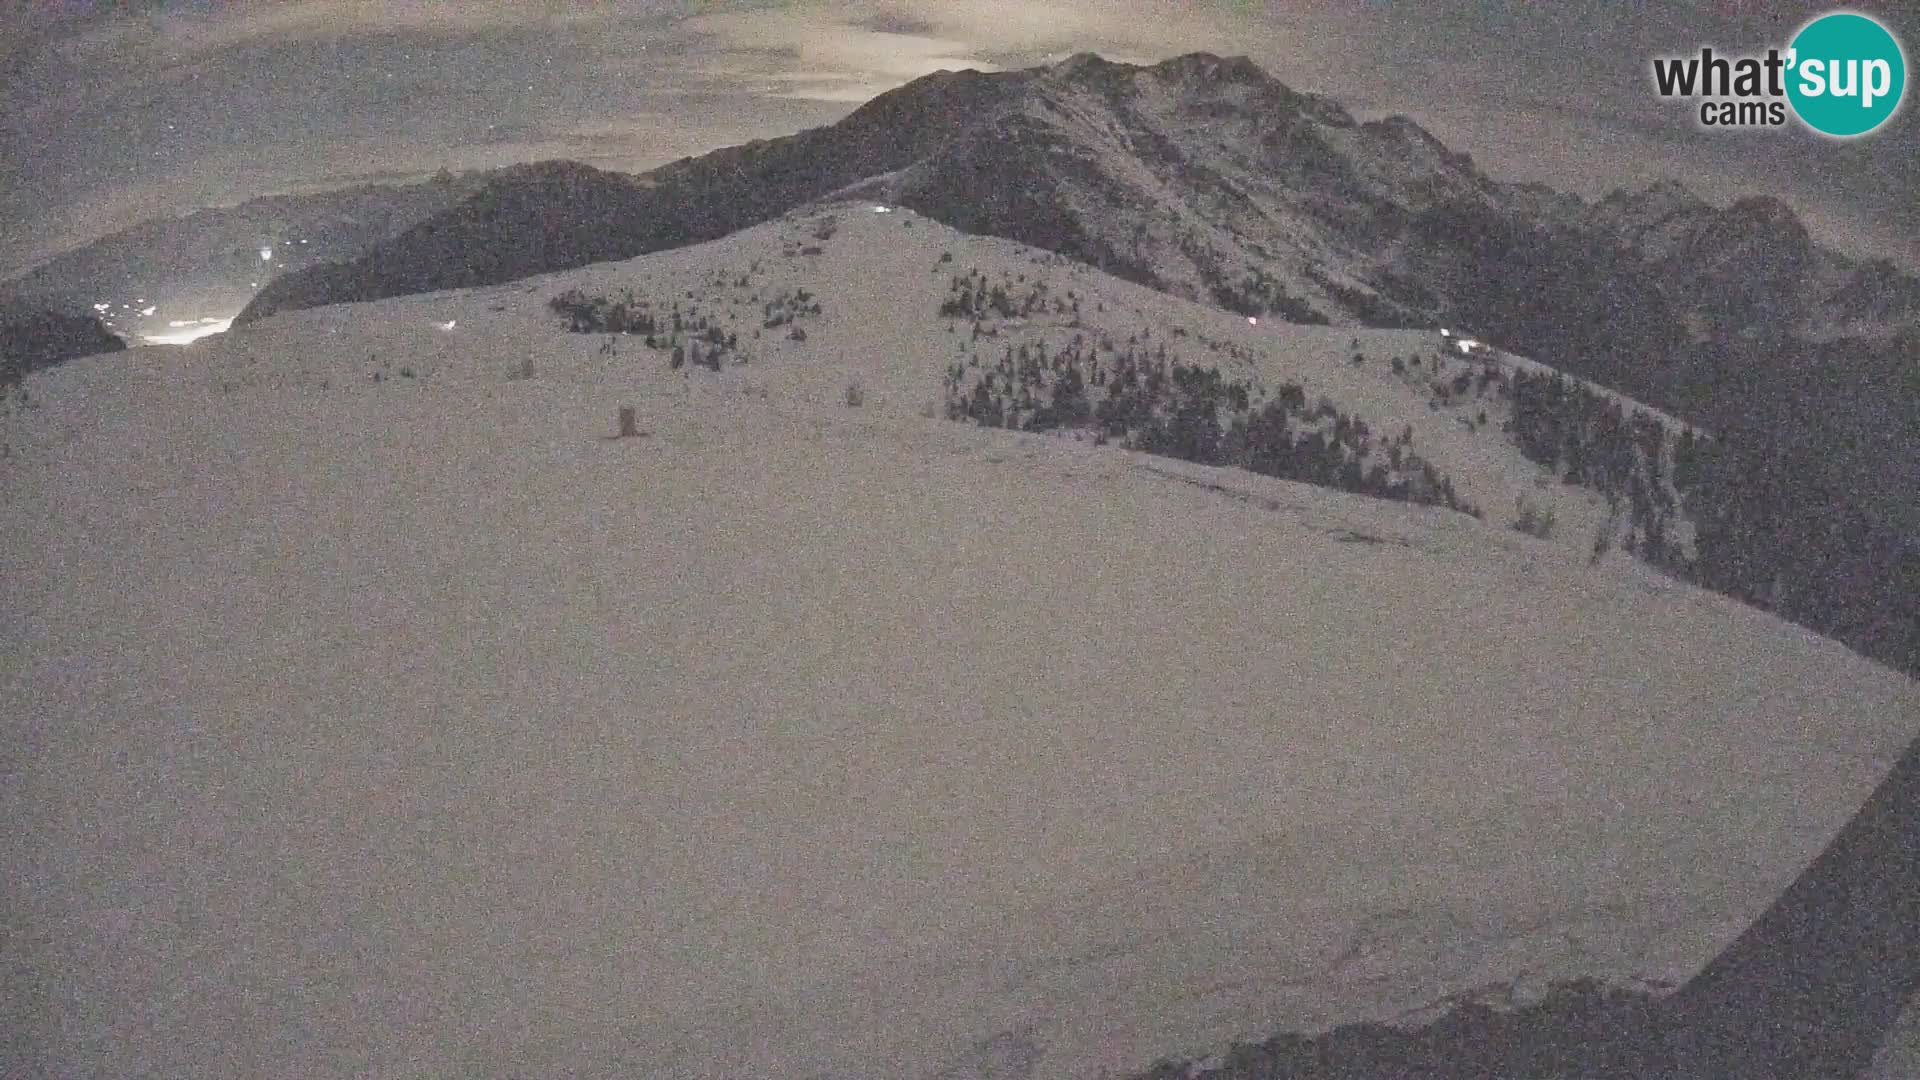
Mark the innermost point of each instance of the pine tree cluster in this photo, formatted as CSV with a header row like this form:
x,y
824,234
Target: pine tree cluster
x,y
1769,532
688,336
972,296
1766,529
1590,440
786,309
1254,293
1155,403
1257,293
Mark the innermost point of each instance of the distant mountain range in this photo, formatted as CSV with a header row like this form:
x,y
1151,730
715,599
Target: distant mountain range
x,y
208,264
1201,176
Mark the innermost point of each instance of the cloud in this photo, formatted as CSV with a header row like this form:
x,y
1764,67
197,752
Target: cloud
x,y
851,52
822,56
178,34
136,111
894,22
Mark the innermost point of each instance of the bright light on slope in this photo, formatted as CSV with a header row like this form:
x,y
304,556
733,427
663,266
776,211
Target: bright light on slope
x,y
204,328
266,254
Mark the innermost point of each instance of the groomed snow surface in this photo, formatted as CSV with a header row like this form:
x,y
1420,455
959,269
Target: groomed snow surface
x,y
416,728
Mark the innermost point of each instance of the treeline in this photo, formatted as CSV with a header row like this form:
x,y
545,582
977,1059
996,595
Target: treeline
x,y
688,335
1772,529
1807,501
1157,404
1255,292
1805,486
1590,440
1774,525
971,296
626,314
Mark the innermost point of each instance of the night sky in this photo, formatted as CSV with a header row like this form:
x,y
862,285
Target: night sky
x,y
111,113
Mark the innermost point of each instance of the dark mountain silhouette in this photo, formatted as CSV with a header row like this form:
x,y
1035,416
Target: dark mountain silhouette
x,y
208,263
555,215
1200,175
35,339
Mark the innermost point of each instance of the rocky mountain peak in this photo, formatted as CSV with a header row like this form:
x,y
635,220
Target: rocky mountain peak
x,y
1083,63
1767,213
1207,67
1669,190
1660,199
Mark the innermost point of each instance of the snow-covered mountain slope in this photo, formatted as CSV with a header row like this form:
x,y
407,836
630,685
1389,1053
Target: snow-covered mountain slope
x,y
371,711
880,281
1207,178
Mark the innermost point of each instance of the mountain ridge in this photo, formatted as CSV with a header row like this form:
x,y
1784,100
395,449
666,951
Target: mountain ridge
x,y
1283,201
208,263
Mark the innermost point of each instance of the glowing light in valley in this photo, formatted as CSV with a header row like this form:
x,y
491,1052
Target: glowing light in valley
x,y
203,328
883,209
1251,321
266,254
101,307
149,311
449,324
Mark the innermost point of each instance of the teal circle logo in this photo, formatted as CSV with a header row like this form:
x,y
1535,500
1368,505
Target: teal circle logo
x,y
1846,74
